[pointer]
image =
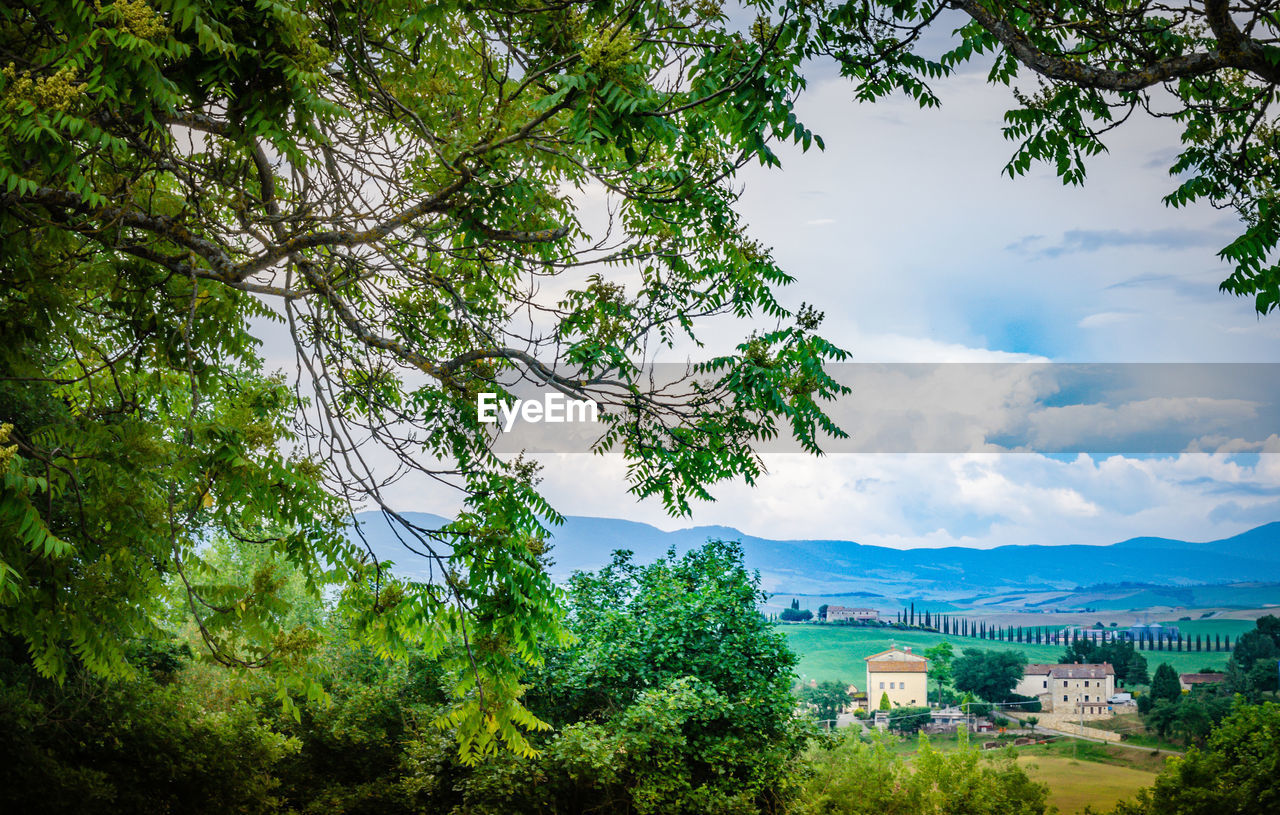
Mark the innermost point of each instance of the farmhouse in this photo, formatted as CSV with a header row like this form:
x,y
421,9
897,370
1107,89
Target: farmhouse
x,y
1189,681
1069,688
836,614
899,673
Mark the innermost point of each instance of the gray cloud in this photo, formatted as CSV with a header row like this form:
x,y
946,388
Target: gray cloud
x,y
1076,241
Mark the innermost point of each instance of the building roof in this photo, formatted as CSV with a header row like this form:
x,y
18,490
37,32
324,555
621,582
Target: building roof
x,y
897,660
1073,671
1201,679
1070,671
851,608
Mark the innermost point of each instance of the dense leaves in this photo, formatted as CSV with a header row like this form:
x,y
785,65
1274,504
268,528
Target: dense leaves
x,y
1237,771
853,777
988,675
429,201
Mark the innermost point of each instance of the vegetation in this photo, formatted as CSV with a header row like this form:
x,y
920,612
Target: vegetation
x,y
1130,666
1236,771
832,652
393,184
853,777
989,675
827,698
646,713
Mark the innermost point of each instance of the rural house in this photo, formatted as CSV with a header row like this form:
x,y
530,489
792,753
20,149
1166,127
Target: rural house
x,y
1070,688
1189,681
899,673
837,614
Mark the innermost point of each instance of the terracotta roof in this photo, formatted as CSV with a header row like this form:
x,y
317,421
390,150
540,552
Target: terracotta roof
x,y
896,666
1082,671
1037,669
1201,679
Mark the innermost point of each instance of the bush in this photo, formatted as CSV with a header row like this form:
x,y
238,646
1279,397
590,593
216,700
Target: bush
x,y
851,777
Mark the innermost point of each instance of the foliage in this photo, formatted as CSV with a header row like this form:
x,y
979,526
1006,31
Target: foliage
x,y
852,777
1165,684
827,698
989,675
940,658
1130,666
909,719
159,742
1190,717
1238,770
884,701
1211,67
394,183
792,615
675,697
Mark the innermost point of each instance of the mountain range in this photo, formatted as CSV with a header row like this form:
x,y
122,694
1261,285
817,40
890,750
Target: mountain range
x,y
1023,575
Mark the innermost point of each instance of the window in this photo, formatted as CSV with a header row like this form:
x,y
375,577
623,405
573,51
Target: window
x,y
1064,697
1046,683
881,686
891,684
1086,697
1086,684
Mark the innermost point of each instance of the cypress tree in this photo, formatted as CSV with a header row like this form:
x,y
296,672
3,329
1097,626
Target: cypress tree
x,y
927,624
913,614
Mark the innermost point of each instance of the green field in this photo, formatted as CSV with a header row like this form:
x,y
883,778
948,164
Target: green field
x,y
1074,785
837,651
1210,628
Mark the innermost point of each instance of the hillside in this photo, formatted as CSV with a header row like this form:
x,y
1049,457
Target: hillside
x,y
1137,573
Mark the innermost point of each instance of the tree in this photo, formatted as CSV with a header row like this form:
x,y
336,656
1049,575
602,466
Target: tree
x,y
389,182
940,658
884,702
828,698
792,616
1235,772
1211,66
1164,684
989,675
822,611
1136,670
909,719
1031,722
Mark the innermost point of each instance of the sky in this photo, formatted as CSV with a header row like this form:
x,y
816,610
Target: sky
x,y
917,248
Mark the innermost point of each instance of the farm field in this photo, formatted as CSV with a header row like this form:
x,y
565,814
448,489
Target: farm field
x,y
837,652
1211,628
1074,785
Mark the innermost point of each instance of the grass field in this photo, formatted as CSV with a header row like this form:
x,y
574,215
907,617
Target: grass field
x,y
837,651
1078,773
1074,785
1210,628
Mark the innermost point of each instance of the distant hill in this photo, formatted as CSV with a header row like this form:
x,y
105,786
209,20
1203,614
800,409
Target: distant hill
x,y
1032,576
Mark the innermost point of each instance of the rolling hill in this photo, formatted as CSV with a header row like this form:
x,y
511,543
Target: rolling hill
x,y
1151,571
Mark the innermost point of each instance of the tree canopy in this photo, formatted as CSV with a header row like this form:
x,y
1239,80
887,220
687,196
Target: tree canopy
x,y
989,675
398,189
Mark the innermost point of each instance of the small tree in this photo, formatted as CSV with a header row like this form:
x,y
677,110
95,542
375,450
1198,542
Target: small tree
x,y
1164,685
884,701
1031,722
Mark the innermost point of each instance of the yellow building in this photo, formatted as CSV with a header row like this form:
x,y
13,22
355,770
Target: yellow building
x,y
902,675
